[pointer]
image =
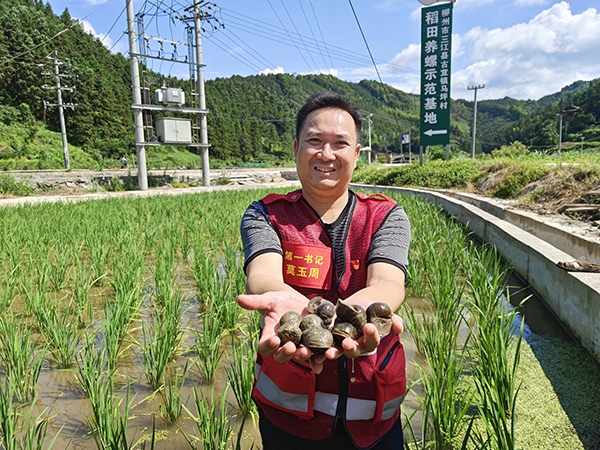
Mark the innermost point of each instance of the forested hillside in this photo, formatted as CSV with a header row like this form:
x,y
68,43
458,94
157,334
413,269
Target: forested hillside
x,y
251,118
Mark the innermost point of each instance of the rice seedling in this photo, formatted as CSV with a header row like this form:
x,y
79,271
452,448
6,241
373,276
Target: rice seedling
x,y
21,431
80,289
172,406
208,347
159,343
164,271
61,260
60,328
21,357
107,424
93,369
212,422
241,366
8,286
494,326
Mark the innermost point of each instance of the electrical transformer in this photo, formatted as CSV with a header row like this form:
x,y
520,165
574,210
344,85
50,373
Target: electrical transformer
x,y
172,130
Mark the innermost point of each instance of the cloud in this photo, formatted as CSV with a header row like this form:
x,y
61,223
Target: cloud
x,y
532,59
530,2
103,37
96,2
267,71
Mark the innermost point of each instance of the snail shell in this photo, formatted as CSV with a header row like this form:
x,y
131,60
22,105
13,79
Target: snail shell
x,y
311,321
317,339
342,330
354,314
290,332
322,308
290,317
380,315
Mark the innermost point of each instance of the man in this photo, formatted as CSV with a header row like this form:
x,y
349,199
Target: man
x,y
326,240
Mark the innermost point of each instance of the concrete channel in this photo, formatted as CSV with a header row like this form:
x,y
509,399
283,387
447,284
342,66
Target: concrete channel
x,y
533,247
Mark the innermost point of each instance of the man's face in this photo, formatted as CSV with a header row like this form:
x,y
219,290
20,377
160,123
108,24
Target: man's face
x,y
326,151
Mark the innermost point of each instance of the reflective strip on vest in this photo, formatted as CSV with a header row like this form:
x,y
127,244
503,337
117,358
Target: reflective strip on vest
x,y
326,403
356,408
391,406
286,400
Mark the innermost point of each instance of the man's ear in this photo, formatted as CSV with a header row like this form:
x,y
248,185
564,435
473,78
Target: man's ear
x,y
357,155
295,150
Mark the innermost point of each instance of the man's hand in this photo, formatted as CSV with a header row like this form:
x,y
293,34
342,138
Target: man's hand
x,y
367,343
273,305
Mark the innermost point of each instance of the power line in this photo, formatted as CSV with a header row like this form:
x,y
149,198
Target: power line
x,y
288,33
320,31
375,65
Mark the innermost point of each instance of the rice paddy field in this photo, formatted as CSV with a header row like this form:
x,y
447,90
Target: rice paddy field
x,y
119,330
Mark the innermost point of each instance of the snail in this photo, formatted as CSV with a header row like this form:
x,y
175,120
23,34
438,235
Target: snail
x,y
317,339
322,308
342,330
313,332
380,315
353,314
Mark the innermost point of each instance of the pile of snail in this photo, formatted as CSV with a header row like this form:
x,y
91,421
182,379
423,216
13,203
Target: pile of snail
x,y
313,330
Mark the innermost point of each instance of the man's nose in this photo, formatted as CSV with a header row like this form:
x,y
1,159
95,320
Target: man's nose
x,y
326,151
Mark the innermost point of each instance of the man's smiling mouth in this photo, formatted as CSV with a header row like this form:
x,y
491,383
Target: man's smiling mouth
x,y
324,169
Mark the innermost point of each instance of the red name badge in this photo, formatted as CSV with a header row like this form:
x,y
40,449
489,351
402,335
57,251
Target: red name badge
x,y
307,265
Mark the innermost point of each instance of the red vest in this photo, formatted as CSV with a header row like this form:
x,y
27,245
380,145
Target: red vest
x,y
365,392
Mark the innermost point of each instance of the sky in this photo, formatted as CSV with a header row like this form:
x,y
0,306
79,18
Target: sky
x,y
523,49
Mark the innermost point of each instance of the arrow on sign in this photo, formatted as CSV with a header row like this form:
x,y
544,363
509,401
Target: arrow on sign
x,y
432,132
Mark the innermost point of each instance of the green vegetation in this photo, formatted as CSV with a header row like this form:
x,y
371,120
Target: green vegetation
x,y
509,172
144,288
251,120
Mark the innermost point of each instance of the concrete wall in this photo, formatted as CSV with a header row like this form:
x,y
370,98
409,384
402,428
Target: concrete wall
x,y
574,297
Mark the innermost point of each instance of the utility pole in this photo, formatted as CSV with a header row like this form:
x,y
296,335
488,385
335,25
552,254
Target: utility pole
x,y
61,106
474,88
201,97
137,101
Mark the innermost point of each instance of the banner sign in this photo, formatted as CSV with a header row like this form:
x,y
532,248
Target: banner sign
x,y
436,37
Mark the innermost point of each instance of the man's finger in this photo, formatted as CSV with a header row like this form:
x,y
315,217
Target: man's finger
x,y
284,353
397,324
267,345
253,302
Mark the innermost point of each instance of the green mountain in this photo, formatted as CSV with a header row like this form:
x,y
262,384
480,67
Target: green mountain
x,y
251,118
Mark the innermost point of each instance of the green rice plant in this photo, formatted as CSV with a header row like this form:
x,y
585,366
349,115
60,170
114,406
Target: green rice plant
x,y
61,257
107,424
21,431
203,271
240,370
21,357
494,325
92,368
213,424
99,255
498,390
159,343
208,347
60,328
80,289
115,322
8,286
164,271
172,407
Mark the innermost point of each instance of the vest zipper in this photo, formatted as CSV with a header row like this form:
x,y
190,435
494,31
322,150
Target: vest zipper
x,y
302,366
387,358
340,412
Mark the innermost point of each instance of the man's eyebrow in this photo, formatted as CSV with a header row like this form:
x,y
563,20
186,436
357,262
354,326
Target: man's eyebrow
x,y
316,132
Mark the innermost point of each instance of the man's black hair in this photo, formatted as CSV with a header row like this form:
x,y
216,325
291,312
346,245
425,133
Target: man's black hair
x,y
322,100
